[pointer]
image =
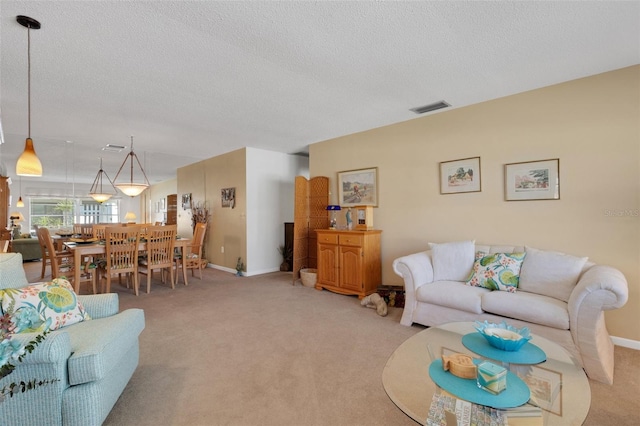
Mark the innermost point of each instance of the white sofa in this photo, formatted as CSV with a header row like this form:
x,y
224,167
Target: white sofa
x,y
555,302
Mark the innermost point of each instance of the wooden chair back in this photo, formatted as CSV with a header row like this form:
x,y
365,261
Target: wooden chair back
x,y
122,249
40,233
4,246
98,231
198,239
83,230
44,238
62,263
161,241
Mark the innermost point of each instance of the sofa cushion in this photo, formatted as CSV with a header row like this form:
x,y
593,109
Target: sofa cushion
x,y
99,344
452,294
498,271
452,261
11,271
550,273
528,307
52,304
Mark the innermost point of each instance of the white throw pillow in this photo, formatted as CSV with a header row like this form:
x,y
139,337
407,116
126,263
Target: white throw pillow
x,y
452,261
550,273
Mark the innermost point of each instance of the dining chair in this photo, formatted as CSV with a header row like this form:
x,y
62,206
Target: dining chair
x,y
191,258
83,230
98,231
46,257
161,241
62,263
121,257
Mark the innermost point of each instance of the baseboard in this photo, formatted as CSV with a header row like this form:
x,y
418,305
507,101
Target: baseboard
x,y
626,343
221,268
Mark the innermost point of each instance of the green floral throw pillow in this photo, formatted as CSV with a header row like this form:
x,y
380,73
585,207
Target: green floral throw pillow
x,y
50,305
497,271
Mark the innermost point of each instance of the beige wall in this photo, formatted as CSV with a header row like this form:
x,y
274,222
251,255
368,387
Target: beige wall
x,y
590,124
227,228
156,193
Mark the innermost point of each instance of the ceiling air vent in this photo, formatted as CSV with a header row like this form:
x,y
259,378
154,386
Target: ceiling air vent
x,y
430,107
113,148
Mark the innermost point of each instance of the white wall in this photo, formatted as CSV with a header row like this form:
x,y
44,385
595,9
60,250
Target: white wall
x,y
270,200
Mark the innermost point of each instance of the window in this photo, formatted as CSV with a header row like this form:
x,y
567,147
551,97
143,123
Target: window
x,y
64,212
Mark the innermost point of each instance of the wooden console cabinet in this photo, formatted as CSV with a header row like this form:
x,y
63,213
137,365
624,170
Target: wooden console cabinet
x,y
349,261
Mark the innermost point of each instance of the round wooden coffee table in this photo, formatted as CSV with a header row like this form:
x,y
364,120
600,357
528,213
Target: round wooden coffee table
x,y
406,375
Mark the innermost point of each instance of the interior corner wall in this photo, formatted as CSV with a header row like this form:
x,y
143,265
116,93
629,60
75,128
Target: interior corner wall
x,y
591,124
156,193
270,200
204,180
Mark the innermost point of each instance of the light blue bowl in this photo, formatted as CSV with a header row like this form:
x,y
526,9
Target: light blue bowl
x,y
503,336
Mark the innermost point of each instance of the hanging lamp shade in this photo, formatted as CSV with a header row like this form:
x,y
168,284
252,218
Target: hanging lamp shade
x,y
132,187
28,163
97,192
20,203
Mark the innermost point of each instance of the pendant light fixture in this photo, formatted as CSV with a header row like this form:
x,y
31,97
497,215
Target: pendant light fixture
x,y
96,192
20,203
28,163
131,188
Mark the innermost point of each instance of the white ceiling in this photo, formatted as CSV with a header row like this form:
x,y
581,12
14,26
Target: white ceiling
x,y
195,79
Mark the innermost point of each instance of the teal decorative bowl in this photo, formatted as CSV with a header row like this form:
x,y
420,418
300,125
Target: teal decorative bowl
x,y
503,336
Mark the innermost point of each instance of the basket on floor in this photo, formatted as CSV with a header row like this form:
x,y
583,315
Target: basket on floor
x,y
308,277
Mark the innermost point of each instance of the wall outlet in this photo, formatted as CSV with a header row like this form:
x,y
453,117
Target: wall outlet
x,y
221,249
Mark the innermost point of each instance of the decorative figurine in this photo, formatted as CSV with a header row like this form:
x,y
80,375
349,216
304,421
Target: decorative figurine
x,y
349,220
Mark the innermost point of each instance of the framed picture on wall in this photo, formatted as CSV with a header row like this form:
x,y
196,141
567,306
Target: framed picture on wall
x,y
458,176
228,196
186,201
358,187
532,180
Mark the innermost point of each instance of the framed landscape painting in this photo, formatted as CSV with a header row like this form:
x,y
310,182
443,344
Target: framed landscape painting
x,y
358,187
460,176
532,180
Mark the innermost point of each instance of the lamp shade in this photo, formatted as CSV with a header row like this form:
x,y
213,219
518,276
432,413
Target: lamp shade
x,y
28,163
97,192
20,203
130,216
16,217
132,188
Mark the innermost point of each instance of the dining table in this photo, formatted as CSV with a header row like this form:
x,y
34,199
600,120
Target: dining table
x,y
81,250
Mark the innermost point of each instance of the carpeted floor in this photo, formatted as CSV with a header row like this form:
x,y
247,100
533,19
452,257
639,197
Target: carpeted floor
x,y
256,350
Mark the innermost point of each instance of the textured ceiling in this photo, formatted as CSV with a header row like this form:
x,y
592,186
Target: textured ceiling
x,y
192,80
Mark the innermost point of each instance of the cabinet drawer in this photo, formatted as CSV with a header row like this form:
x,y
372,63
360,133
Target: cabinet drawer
x,y
351,240
327,238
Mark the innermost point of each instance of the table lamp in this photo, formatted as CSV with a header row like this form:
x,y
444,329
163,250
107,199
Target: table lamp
x,y
16,218
130,217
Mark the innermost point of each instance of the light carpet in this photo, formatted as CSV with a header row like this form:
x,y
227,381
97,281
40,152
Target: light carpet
x,y
258,351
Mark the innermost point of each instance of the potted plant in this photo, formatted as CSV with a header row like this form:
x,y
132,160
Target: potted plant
x,y
287,253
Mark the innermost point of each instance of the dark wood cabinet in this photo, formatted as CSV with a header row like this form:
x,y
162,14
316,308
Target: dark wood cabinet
x,y
172,209
4,202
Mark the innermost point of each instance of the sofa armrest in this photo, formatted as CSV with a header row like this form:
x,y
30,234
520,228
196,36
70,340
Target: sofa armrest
x,y
48,361
100,305
416,270
55,348
601,288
